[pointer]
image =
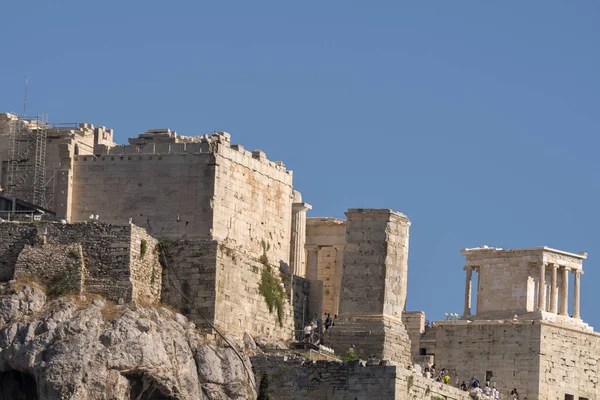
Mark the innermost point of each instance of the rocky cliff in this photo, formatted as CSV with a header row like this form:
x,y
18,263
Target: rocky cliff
x,y
84,348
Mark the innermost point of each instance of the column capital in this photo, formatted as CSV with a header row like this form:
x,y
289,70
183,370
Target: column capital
x,y
311,247
299,207
552,265
577,271
468,268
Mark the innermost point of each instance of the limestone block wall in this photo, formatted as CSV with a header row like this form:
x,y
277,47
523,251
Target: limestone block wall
x,y
297,379
169,195
375,262
509,352
503,283
189,272
414,323
569,363
239,307
253,202
51,263
325,240
223,283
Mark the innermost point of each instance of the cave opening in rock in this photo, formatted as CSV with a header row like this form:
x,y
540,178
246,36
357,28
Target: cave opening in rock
x,y
16,385
143,387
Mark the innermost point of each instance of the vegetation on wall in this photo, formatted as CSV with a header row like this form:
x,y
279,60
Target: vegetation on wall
x,y
143,248
270,287
63,283
350,355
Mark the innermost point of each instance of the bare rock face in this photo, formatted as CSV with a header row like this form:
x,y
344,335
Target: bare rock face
x,y
75,349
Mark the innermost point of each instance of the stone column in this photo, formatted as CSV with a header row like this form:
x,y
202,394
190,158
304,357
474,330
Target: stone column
x,y
576,294
542,288
298,239
468,284
312,266
553,289
564,291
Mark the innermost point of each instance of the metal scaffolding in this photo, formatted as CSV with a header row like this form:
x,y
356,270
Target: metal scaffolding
x,y
27,160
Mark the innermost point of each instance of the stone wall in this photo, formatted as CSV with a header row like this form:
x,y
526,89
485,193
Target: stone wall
x,y
569,363
374,287
109,269
59,267
239,306
414,323
189,273
169,195
298,379
253,202
509,351
145,269
327,238
224,285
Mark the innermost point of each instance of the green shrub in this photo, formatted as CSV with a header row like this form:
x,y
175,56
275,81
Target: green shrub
x,y
62,284
350,355
143,248
270,287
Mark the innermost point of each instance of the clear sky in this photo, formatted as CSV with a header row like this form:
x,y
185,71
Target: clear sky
x,y
478,120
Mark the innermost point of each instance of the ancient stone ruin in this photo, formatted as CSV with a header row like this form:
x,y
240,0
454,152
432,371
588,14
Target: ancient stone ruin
x,y
220,233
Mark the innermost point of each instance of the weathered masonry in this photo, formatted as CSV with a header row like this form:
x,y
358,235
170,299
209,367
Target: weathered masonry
x,y
521,333
119,262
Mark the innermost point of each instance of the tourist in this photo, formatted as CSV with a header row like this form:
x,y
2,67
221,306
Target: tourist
x,y
487,390
514,394
446,378
307,332
463,386
328,321
495,393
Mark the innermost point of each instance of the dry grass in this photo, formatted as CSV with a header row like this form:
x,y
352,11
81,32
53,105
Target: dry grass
x,y
29,280
111,311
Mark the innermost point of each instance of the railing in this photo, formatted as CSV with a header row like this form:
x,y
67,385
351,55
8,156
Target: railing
x,y
26,216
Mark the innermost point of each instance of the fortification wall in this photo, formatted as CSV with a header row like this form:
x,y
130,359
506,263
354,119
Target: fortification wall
x,y
189,273
144,266
253,203
414,323
509,351
224,285
569,363
109,270
239,306
58,266
297,379
169,195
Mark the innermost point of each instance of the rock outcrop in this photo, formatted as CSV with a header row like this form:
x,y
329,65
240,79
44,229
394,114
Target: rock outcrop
x,y
87,349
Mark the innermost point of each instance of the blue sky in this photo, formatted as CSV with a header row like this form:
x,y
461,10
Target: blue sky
x,y
478,120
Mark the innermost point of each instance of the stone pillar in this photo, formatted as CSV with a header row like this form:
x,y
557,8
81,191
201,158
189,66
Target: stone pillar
x,y
339,268
542,288
468,285
564,291
312,266
374,287
298,238
553,289
576,294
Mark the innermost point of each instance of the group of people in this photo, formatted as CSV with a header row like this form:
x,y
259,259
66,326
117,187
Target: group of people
x,y
492,391
442,376
315,327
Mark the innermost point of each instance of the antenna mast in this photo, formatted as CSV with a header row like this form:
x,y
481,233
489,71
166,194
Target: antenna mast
x,y
25,99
